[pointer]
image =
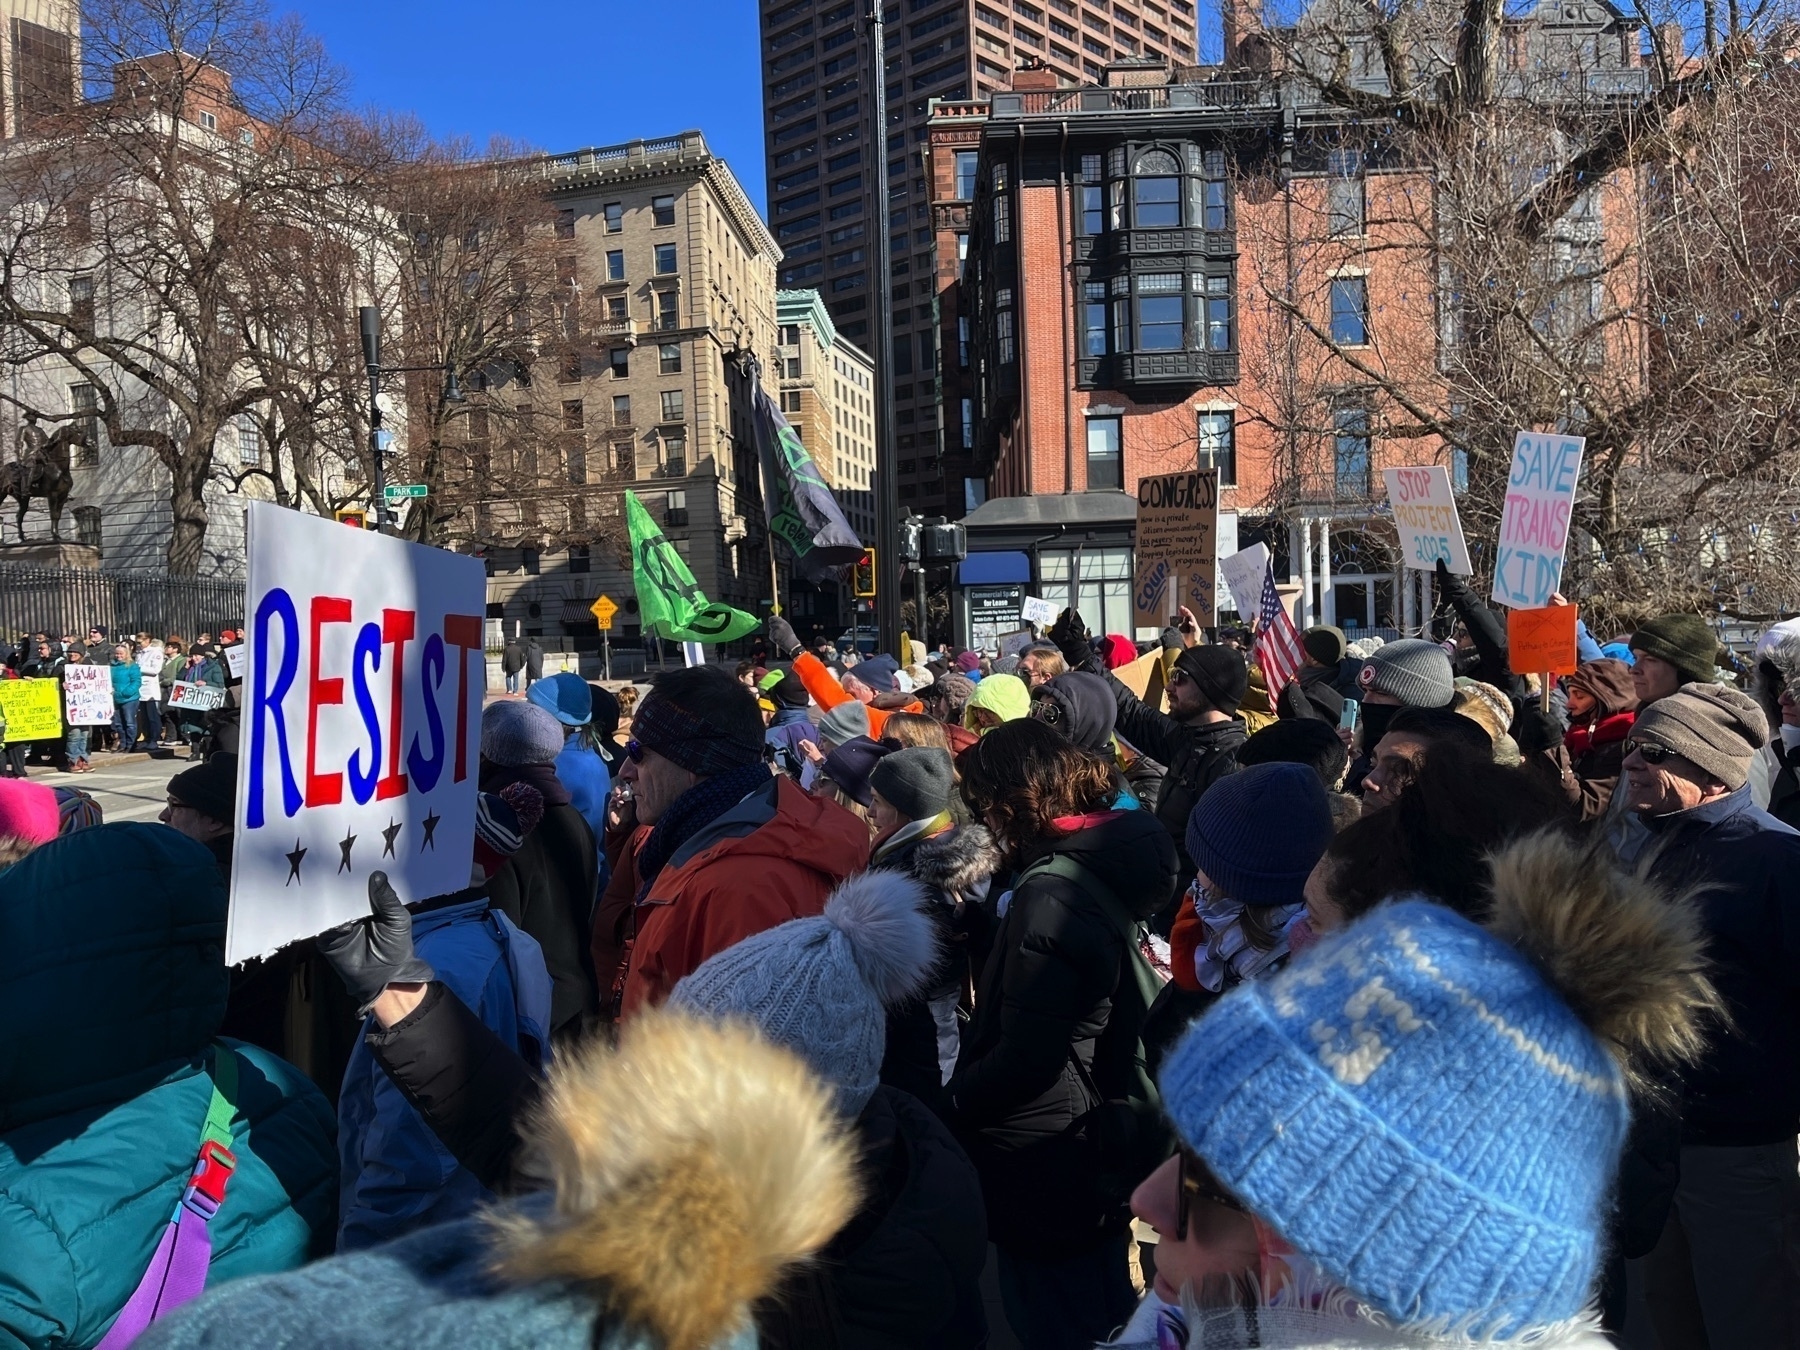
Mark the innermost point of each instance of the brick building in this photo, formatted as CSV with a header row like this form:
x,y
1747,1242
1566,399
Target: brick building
x,y
1212,267
828,191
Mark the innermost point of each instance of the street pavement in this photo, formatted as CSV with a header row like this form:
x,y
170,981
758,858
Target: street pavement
x,y
128,787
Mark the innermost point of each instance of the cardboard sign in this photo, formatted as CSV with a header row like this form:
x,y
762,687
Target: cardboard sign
x,y
1534,527
1425,514
33,709
361,727
1176,547
234,660
1144,677
87,695
1244,572
1041,612
1011,644
196,697
1542,641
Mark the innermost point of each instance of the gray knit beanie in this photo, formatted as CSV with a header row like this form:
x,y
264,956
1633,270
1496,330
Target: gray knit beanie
x,y
917,781
1413,670
845,722
515,732
821,986
1715,726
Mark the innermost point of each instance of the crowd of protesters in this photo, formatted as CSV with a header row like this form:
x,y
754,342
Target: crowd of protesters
x,y
1407,1003
143,670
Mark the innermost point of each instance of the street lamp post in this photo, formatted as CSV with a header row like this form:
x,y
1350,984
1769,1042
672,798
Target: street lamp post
x,y
370,319
887,488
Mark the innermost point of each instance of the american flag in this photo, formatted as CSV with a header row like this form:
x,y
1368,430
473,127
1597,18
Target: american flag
x,y
1277,650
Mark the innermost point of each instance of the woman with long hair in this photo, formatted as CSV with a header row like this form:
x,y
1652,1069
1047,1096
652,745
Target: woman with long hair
x,y
1047,1085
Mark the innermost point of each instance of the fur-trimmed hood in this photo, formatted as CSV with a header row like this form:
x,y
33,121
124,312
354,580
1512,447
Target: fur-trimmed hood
x,y
956,861
1776,663
692,1166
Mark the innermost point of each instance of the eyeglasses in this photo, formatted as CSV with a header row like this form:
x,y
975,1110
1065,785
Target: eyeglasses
x,y
1652,752
633,751
1194,1180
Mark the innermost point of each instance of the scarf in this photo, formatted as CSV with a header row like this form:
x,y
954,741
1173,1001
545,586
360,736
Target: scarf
x,y
1605,731
905,834
1227,955
540,776
692,812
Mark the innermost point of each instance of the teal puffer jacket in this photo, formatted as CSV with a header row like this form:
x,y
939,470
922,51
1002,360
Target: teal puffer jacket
x,y
111,998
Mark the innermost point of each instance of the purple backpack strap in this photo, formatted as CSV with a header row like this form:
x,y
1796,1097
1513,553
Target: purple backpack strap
x,y
177,1271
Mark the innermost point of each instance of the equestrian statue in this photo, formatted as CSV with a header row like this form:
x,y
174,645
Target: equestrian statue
x,y
41,470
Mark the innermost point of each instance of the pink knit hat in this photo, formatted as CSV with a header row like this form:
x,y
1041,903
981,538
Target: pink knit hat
x,y
28,811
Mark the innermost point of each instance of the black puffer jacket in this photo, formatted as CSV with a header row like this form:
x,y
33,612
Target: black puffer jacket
x,y
1045,999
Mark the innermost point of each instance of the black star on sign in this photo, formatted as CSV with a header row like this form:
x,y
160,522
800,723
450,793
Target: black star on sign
x,y
430,822
387,837
345,844
294,863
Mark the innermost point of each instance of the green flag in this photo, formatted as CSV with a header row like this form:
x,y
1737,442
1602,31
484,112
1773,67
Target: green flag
x,y
670,603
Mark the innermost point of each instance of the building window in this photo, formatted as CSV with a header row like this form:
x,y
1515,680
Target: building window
x,y
675,513
1346,200
621,410
1215,313
1159,316
580,560
615,217
574,414
965,174
1003,326
249,439
1218,445
619,360
209,121
87,526
1350,427
615,264
616,307
668,358
85,398
673,403
665,260
577,463
1350,311
530,560
1104,462
1459,468
1093,318
1156,191
968,424
668,309
81,303
565,223
1002,218
662,209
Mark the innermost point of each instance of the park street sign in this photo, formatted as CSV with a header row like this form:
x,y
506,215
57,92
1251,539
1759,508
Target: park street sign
x,y
603,609
399,492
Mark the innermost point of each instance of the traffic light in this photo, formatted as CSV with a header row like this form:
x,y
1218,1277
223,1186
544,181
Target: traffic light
x,y
355,517
862,575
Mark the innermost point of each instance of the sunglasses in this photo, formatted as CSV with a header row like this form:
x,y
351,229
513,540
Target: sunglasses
x,y
1195,1181
1652,752
633,751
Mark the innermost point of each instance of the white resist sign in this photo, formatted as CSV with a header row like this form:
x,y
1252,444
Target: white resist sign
x,y
1534,528
361,726
1425,515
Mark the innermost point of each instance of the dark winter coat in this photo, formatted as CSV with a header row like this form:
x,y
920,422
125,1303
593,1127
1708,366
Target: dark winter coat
x,y
1198,754
1592,754
1784,788
512,657
534,659
954,866
549,889
1044,1000
1746,1088
112,997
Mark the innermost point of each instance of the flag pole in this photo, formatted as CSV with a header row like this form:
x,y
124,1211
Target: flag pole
x,y
762,477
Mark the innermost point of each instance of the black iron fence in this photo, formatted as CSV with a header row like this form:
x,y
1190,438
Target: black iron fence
x,y
59,600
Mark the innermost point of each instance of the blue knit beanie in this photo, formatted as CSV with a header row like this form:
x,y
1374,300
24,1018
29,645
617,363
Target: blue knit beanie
x,y
565,697
1415,1109
821,986
1257,833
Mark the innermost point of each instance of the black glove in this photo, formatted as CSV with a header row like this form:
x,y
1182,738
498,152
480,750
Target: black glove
x,y
370,954
1070,635
786,640
1536,730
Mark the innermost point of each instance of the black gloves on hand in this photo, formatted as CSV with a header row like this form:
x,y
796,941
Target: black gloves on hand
x,y
786,640
1536,730
1070,635
373,953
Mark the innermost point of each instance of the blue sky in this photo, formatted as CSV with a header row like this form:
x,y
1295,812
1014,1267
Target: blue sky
x,y
559,74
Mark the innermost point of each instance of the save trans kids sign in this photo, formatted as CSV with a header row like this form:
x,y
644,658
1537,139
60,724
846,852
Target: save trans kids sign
x,y
360,739
1534,527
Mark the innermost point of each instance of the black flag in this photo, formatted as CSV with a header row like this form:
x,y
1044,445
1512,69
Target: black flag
x,y
800,506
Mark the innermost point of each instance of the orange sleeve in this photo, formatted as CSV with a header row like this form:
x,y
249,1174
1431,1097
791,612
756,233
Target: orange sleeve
x,y
1185,938
819,681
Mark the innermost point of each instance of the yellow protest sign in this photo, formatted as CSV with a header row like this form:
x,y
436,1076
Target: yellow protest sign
x,y
32,709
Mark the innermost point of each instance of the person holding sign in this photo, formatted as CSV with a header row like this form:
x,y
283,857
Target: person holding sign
x,y
200,668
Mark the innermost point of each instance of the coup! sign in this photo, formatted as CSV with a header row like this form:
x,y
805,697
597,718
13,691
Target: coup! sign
x,y
361,726
1534,528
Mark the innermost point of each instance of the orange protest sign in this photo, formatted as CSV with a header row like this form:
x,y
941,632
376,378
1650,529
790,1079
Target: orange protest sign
x,y
1540,641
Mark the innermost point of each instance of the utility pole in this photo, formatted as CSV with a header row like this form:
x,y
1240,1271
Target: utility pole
x,y
370,318
887,487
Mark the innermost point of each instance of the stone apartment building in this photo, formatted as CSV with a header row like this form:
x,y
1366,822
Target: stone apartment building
x,y
674,275
1112,261
830,186
828,393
